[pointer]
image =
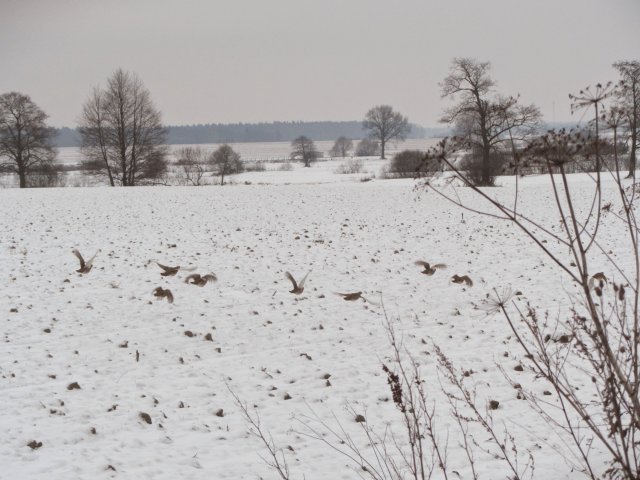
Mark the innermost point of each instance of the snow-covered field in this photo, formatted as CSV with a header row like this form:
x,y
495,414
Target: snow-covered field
x,y
270,154
263,151
273,348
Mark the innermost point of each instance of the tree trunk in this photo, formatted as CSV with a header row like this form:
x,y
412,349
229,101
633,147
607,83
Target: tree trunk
x,y
222,178
634,131
486,163
632,158
22,171
382,145
486,144
634,147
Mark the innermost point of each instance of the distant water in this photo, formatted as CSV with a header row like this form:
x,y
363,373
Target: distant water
x,y
263,151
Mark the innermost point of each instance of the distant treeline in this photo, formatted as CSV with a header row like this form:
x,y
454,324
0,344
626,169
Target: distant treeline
x,y
272,132
259,132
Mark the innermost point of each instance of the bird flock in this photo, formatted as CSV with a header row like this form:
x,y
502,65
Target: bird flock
x,y
298,287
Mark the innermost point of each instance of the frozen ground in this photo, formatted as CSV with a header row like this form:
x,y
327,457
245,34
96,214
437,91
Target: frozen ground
x,y
273,348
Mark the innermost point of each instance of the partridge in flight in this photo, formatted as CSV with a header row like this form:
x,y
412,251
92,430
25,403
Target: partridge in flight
x,y
298,288
163,293
430,269
85,267
598,279
352,297
462,279
168,271
201,281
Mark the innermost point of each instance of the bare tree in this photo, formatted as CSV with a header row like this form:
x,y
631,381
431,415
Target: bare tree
x,y
384,125
303,149
482,118
122,133
628,93
341,147
192,160
227,161
25,139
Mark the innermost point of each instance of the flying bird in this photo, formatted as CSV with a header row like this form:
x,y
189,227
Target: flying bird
x,y
163,293
168,271
171,271
352,297
599,279
298,288
201,281
85,267
430,269
462,279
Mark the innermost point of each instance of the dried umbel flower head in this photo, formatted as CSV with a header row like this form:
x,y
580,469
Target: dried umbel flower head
x,y
497,301
557,148
443,150
614,117
590,97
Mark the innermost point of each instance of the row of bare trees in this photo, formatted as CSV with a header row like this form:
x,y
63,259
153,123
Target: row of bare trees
x,y
494,125
195,161
382,125
122,134
124,141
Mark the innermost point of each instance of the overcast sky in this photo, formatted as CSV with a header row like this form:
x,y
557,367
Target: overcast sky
x,y
263,60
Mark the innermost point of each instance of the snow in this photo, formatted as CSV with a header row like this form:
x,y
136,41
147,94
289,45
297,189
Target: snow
x,y
354,236
262,151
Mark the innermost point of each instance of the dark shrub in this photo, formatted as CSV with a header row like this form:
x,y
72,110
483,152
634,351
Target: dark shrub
x,y
411,163
472,165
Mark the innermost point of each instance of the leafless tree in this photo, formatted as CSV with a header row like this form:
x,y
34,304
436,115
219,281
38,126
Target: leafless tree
x,y
384,125
192,161
25,139
341,147
628,94
482,118
94,130
303,149
122,133
227,161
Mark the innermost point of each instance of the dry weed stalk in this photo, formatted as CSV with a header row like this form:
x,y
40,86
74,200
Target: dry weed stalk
x,y
277,459
597,343
420,450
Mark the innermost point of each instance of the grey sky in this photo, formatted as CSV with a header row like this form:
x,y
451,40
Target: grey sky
x,y
262,60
